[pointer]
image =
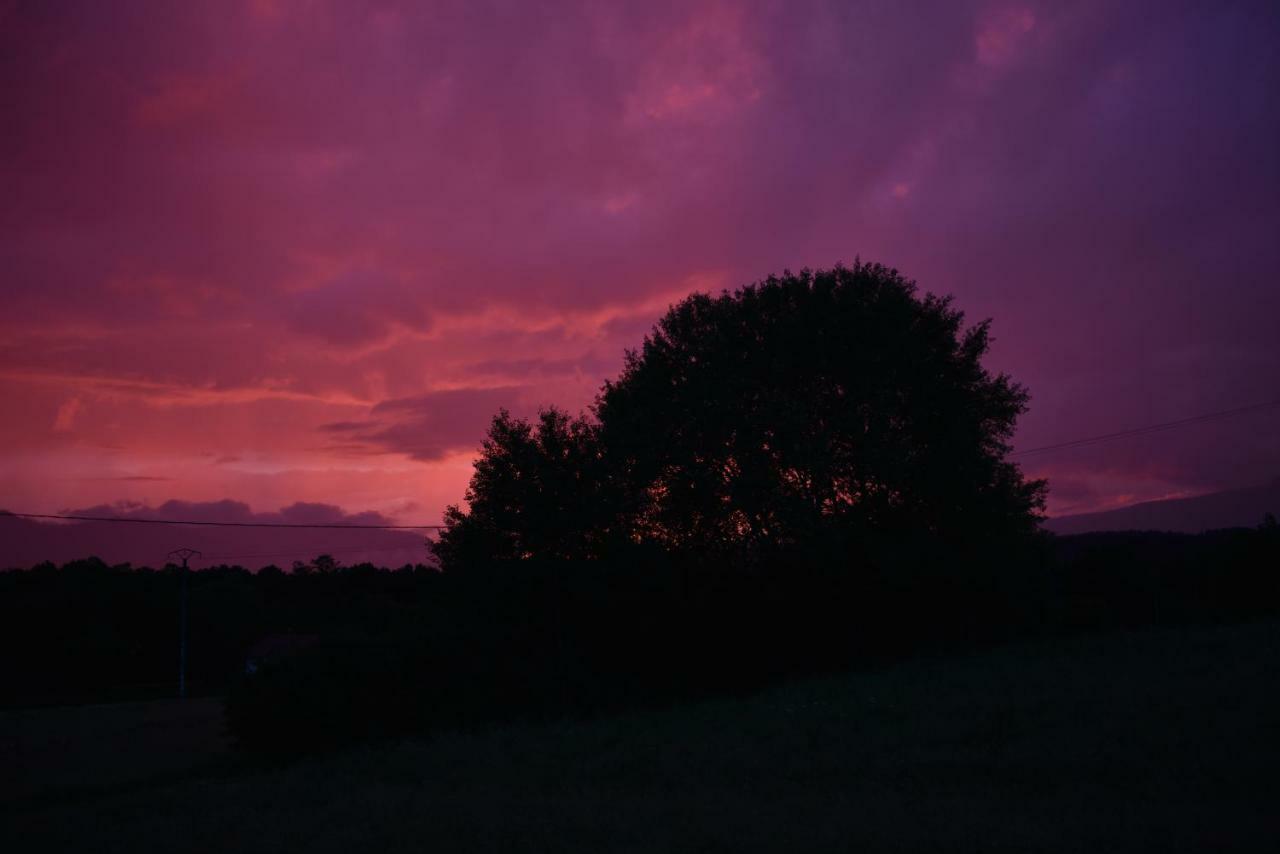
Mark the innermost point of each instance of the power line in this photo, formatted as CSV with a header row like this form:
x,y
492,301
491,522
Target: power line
x,y
1150,428
337,525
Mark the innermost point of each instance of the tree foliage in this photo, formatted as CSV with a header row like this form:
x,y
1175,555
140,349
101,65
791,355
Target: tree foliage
x,y
836,407
837,400
537,492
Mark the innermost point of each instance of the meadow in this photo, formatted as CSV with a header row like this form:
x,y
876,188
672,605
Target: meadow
x,y
1159,739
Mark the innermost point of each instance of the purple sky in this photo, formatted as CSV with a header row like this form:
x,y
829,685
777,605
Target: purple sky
x,y
282,252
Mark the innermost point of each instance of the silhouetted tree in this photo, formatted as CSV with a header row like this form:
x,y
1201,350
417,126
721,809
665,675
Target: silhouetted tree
x,y
826,404
536,493
828,410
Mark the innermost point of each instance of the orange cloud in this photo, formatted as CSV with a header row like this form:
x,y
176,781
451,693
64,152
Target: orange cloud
x,y
66,417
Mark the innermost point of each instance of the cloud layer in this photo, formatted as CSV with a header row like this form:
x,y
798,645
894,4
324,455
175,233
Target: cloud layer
x,y
299,251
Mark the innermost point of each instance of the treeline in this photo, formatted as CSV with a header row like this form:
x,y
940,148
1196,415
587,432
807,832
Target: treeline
x,y
89,631
414,649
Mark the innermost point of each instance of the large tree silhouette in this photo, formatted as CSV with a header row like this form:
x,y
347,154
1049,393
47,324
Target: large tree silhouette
x,y
837,401
836,408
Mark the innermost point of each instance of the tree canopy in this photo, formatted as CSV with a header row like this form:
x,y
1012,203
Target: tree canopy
x,y
837,406
537,492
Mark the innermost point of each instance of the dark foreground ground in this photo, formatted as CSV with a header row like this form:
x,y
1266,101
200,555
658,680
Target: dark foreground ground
x,y
1153,741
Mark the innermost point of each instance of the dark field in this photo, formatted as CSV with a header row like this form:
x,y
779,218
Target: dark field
x,y
72,752
1160,740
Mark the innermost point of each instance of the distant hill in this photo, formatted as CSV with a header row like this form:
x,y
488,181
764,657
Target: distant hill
x,y
26,542
1233,508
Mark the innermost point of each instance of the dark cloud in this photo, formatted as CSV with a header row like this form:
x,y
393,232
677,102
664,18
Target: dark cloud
x,y
427,426
228,510
352,310
25,542
531,368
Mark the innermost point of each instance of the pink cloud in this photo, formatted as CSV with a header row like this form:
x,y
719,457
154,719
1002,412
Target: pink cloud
x,y
1001,35
225,226
66,417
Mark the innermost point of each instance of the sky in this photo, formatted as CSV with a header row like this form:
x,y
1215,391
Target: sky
x,y
295,253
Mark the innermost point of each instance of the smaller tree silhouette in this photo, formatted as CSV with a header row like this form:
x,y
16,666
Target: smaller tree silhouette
x,y
536,493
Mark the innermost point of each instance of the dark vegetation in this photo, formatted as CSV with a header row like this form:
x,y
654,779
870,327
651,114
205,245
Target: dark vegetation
x,y
415,649
836,412
801,477
1159,740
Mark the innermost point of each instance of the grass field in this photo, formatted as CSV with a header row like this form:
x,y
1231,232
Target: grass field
x,y
1152,741
79,751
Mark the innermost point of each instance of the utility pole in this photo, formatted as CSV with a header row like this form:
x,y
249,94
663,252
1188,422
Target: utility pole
x,y
184,555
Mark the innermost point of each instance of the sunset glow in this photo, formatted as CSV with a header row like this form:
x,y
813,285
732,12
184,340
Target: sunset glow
x,y
282,252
